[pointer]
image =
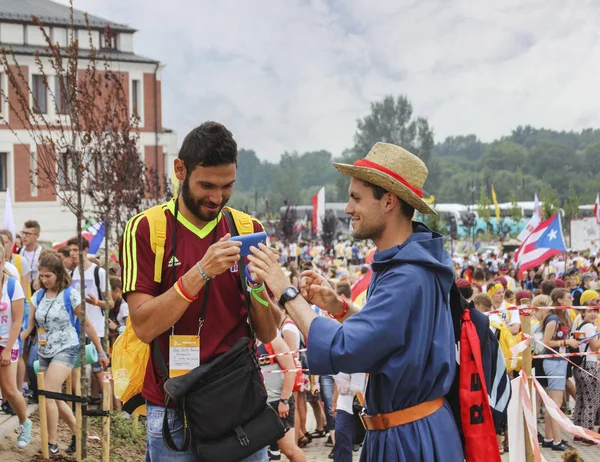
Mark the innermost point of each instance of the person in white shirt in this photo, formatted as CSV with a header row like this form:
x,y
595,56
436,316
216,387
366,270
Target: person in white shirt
x,y
95,288
31,249
346,388
510,318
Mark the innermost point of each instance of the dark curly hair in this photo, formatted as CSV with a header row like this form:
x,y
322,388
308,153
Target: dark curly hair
x,y
208,145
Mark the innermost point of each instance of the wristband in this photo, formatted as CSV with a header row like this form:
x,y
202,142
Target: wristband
x,y
257,298
343,313
101,355
250,280
180,293
202,273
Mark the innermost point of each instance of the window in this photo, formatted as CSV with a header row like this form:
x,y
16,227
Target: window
x,y
66,174
34,174
60,94
3,171
135,97
40,94
2,93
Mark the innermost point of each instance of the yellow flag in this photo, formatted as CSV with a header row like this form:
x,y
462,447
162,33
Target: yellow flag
x,y
496,203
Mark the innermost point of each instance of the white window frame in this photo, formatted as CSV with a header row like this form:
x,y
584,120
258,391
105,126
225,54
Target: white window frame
x,y
33,164
140,79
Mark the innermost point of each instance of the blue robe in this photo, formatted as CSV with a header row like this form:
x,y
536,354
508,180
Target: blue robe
x,y
404,339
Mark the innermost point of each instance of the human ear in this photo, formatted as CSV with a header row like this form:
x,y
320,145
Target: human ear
x,y
180,170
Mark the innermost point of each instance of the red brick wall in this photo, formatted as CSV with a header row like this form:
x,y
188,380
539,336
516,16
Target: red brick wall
x,y
23,176
13,99
149,103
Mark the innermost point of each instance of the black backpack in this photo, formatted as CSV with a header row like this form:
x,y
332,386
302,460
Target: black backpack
x,y
494,365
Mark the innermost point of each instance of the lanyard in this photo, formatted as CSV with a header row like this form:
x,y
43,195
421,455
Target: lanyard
x,y
30,262
49,308
207,286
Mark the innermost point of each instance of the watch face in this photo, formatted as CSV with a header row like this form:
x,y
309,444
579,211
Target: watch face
x,y
291,292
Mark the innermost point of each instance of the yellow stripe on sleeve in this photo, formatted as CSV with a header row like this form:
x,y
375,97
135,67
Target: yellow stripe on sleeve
x,y
127,260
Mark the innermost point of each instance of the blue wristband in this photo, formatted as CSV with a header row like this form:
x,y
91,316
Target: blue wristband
x,y
250,280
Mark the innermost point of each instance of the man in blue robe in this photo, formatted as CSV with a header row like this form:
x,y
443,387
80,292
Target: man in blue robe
x,y
403,337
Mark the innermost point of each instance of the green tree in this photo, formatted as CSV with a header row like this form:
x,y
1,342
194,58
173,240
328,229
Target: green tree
x,y
391,121
248,167
435,223
483,207
504,155
516,212
550,203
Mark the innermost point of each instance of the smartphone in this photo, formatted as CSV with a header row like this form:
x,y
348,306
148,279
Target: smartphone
x,y
249,240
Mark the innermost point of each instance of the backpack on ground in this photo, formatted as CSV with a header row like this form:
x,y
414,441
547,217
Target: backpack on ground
x,y
477,433
67,302
130,355
507,340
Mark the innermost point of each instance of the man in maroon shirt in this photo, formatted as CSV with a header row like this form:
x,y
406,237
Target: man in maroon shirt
x,y
197,251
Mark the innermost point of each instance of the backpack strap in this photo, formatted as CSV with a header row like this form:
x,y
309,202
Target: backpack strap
x,y
10,287
97,282
40,295
69,307
243,222
157,222
19,264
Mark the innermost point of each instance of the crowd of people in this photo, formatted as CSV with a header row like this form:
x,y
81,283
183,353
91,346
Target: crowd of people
x,y
356,360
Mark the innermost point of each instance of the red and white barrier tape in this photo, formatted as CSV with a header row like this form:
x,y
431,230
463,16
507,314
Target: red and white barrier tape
x,y
530,419
284,371
277,355
535,308
566,355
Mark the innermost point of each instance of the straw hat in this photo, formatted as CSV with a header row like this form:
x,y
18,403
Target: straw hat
x,y
394,169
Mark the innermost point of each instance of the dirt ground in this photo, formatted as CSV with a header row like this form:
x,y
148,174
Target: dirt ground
x,y
125,446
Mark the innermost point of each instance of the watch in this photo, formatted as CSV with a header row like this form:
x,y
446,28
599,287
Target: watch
x,y
289,293
285,401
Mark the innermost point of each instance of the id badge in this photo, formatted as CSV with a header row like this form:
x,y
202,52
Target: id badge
x,y
42,336
184,354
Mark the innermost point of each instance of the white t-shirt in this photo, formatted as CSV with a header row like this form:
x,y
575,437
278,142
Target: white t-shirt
x,y
509,317
291,327
12,269
6,310
123,313
589,330
94,313
33,259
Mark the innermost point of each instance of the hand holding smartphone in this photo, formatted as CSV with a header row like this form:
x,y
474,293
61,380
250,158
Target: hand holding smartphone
x,y
249,240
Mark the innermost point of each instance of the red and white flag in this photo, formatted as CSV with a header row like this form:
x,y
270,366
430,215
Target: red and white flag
x,y
318,212
534,222
597,209
546,241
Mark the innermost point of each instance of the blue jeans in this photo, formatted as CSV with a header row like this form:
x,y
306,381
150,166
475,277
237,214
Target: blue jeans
x,y
156,451
326,382
344,435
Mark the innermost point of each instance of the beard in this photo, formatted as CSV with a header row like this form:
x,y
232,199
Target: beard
x,y
195,205
364,232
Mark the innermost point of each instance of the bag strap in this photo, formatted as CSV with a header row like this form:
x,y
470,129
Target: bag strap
x,y
97,282
10,287
242,272
166,432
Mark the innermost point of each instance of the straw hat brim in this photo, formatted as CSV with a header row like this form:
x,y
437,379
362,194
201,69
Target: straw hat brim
x,y
386,182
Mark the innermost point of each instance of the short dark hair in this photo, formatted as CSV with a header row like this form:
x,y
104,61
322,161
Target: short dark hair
x,y
343,288
378,192
115,283
32,224
65,251
82,244
547,287
208,145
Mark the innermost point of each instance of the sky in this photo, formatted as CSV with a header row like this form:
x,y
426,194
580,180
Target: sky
x,y
294,75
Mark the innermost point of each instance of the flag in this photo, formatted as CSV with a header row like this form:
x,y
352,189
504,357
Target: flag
x,y
97,232
596,210
359,290
495,200
9,219
534,222
468,275
318,212
544,242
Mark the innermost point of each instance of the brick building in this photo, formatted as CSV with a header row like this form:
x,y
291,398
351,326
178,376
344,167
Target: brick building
x,y
142,82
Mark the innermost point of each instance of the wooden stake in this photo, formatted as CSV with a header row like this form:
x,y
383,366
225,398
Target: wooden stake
x,y
136,422
106,398
78,415
526,328
43,417
69,385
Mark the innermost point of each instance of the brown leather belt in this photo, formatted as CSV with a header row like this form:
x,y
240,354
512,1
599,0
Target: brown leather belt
x,y
404,416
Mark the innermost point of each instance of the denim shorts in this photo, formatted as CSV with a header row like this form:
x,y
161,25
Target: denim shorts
x,y
556,370
156,451
67,357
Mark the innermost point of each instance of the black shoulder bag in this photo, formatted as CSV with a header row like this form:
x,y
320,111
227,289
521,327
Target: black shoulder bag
x,y
223,404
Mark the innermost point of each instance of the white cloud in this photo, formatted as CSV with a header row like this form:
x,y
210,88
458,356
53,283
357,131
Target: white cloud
x,y
295,75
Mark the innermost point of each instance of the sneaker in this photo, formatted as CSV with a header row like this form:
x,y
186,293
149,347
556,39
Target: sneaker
x,y
7,409
356,447
547,444
588,442
562,446
577,439
72,447
24,434
540,438
274,455
53,448
331,454
329,443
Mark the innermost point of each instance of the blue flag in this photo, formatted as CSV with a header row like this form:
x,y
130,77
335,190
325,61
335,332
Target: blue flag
x,y
552,237
96,241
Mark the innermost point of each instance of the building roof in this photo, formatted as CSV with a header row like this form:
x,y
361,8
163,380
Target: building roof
x,y
110,55
52,13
